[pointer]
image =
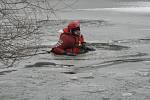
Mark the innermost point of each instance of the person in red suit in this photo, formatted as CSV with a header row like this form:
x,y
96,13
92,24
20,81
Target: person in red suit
x,y
71,41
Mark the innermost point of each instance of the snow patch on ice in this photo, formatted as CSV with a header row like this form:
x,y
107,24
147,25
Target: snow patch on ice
x,y
131,9
121,9
136,7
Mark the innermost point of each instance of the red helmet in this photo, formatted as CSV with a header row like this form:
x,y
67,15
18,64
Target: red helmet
x,y
74,25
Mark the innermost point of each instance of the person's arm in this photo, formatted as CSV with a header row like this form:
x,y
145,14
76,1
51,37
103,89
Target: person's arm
x,y
59,48
84,47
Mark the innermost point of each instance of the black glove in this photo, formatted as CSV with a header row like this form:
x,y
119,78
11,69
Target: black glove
x,y
85,48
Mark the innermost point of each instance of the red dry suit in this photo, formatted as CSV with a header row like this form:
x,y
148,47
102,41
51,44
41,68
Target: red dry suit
x,y
68,43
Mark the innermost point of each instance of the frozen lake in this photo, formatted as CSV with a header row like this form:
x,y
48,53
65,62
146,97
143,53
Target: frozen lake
x,y
117,70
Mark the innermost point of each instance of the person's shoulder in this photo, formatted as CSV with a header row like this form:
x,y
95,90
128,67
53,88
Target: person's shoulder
x,y
64,36
65,33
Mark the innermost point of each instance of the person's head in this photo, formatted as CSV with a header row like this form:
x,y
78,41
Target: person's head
x,y
74,27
